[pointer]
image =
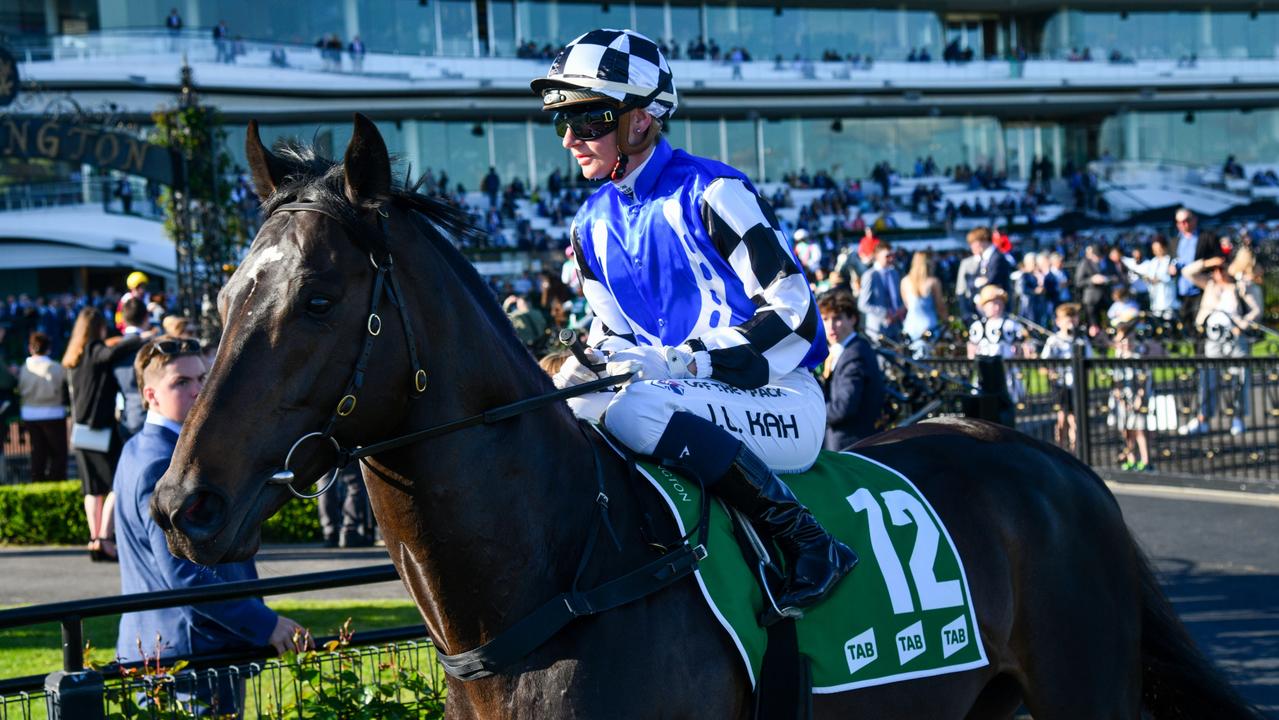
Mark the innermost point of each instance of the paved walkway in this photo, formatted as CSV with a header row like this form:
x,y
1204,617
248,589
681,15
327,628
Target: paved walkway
x,y
30,575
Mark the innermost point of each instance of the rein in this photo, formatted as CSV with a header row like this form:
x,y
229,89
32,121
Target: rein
x,y
531,632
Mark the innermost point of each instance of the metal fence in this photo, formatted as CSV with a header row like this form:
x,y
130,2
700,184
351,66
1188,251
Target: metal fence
x,y
24,705
15,461
394,669
1208,420
396,680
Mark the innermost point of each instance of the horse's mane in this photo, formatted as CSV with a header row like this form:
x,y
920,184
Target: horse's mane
x,y
316,179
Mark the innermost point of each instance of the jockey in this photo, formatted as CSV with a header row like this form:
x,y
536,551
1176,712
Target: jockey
x,y
137,284
695,290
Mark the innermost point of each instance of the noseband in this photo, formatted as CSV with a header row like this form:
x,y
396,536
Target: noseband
x,y
385,285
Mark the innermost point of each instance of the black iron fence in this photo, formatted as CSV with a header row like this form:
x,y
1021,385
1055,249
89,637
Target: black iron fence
x,y
390,669
1208,420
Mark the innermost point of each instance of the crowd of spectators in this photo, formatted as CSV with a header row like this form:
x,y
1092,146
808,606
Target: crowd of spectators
x,y
1263,177
1113,276
672,49
79,352
850,208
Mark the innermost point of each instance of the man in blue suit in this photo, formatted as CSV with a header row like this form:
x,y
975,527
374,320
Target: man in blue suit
x,y
993,267
170,373
855,387
880,299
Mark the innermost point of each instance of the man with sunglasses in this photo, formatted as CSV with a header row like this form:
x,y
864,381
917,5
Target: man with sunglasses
x,y
695,289
170,373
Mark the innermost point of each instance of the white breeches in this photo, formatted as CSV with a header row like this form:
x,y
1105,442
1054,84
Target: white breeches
x,y
783,423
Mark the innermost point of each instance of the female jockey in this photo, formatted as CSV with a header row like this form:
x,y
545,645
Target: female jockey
x,y
695,290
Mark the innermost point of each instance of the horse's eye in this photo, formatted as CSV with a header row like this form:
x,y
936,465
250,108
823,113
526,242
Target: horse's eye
x,y
319,305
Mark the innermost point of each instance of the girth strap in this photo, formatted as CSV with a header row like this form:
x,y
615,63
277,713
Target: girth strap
x,y
533,631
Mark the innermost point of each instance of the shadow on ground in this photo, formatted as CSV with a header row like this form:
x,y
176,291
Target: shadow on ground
x,y
1234,617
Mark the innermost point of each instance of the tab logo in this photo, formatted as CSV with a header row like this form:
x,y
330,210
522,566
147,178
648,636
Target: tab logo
x,y
910,642
954,637
861,651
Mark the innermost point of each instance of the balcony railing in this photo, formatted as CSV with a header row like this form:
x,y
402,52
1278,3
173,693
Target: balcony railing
x,y
151,48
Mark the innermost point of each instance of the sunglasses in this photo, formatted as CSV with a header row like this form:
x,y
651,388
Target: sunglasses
x,y
179,346
589,125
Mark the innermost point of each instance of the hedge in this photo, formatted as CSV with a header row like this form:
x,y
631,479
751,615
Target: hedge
x,y
45,513
52,513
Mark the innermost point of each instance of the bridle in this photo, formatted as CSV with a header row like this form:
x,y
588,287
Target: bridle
x,y
386,286
534,629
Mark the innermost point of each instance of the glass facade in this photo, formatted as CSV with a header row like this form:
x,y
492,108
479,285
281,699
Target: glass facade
x,y
452,27
1138,35
766,30
1209,137
763,149
392,26
808,32
851,147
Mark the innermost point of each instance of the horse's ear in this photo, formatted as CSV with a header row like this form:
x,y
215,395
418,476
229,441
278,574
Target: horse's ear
x,y
367,164
268,170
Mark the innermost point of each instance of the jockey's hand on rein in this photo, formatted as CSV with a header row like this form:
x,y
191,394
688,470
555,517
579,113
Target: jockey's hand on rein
x,y
573,372
650,363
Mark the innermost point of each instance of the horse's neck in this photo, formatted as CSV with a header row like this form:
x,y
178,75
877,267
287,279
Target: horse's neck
x,y
486,523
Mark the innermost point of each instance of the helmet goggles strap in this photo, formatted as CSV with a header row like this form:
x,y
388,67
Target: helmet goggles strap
x,y
624,146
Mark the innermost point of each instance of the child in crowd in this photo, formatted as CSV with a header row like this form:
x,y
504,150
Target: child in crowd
x,y
1063,345
1130,398
1123,307
994,335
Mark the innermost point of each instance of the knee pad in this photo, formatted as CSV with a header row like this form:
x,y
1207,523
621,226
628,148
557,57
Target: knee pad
x,y
638,415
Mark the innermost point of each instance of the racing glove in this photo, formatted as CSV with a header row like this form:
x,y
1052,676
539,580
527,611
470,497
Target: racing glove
x,y
573,372
648,362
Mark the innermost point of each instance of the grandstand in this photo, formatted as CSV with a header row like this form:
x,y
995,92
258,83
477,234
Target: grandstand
x,y
1109,109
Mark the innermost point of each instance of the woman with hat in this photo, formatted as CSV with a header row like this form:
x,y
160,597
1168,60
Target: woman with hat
x,y
696,291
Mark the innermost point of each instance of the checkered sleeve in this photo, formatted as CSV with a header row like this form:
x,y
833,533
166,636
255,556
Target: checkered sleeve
x,y
773,341
610,331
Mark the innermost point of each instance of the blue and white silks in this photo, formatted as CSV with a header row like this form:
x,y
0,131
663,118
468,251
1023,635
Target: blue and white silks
x,y
686,252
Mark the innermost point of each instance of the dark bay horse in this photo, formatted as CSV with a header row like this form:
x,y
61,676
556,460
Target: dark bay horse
x,y
488,522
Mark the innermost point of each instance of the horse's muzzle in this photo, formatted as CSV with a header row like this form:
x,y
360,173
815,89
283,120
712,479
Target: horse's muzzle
x,y
198,515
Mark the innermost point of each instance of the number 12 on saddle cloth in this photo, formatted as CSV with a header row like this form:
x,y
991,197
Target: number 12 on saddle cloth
x,y
904,612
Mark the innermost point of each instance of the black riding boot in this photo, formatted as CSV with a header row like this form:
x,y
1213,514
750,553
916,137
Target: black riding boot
x,y
815,561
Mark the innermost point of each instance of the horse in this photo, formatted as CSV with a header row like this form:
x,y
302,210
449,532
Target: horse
x,y
487,521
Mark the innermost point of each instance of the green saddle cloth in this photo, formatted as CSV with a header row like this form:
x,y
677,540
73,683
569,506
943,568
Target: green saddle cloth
x,y
904,612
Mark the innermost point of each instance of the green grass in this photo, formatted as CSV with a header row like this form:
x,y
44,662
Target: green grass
x,y
37,649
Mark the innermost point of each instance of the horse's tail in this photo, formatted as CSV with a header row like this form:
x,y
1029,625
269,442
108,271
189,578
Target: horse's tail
x,y
1177,679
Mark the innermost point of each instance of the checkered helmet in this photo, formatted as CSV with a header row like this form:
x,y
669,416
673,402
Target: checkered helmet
x,y
618,64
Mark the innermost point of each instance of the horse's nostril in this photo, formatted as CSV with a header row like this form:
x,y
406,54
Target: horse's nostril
x,y
201,516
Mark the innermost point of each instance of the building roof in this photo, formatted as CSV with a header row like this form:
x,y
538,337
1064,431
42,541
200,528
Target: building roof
x,y
84,236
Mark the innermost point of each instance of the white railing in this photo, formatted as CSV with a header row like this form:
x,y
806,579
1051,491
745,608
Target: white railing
x,y
1151,172
142,49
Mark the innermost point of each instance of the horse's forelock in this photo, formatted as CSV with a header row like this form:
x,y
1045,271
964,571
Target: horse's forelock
x,y
315,179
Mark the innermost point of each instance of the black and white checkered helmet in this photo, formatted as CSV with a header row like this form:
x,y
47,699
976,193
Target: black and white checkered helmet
x,y
619,64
